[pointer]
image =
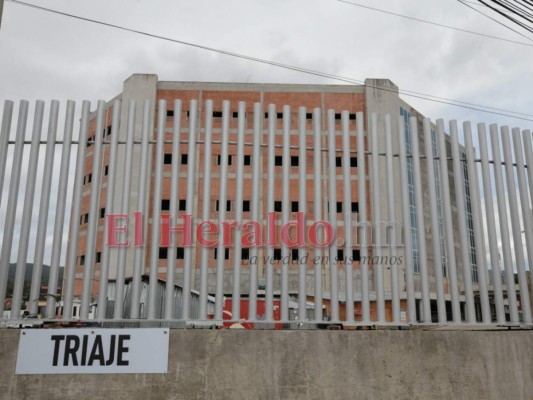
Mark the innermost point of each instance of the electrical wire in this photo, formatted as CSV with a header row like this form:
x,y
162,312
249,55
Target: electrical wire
x,y
493,19
509,17
434,23
419,95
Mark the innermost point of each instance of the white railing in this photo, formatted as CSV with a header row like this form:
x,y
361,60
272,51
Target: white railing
x,y
417,243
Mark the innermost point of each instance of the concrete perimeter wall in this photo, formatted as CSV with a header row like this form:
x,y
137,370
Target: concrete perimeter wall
x,y
207,364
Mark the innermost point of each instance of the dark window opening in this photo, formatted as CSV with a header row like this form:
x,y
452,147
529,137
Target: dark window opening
x,y
277,254
184,159
247,160
246,205
217,114
167,159
355,207
294,206
219,159
353,162
351,116
226,254
98,257
338,161
228,205
278,115
165,205
102,212
294,255
340,255
356,255
163,253
182,206
278,161
170,113
106,170
82,260
236,114
277,206
245,254
180,253
295,161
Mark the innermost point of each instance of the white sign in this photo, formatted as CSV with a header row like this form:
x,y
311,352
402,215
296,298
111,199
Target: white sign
x,y
93,351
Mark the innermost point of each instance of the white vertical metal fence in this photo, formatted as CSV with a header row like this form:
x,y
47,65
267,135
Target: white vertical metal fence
x,y
250,170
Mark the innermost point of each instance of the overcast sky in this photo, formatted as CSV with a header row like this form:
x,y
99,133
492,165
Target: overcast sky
x,y
46,56
49,56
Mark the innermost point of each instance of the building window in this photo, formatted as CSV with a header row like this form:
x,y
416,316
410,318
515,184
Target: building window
x,y
351,116
277,115
277,206
278,161
247,159
309,116
353,162
82,260
107,131
277,254
102,212
340,255
338,206
167,159
163,253
356,255
184,159
180,253
294,206
182,205
106,170
84,219
165,205
219,159
294,161
338,161
411,186
228,205
246,205
355,207
470,223
87,179
245,254
236,114
170,113
217,114
226,254
98,257
294,255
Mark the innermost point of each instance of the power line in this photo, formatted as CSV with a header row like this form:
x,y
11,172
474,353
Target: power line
x,y
520,12
488,16
435,23
423,96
